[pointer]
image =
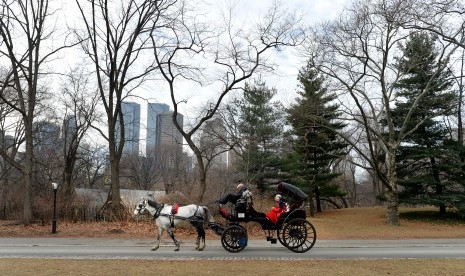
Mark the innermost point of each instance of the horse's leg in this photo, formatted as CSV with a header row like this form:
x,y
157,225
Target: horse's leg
x,y
200,236
197,241
176,243
157,243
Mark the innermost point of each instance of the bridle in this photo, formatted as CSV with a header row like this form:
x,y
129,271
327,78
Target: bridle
x,y
143,206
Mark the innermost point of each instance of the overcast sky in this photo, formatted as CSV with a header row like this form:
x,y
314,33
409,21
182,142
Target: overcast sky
x,y
284,78
285,74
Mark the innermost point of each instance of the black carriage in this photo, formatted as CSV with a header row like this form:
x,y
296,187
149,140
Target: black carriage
x,y
292,230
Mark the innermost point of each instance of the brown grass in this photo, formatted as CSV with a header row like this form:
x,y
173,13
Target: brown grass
x,y
352,223
231,267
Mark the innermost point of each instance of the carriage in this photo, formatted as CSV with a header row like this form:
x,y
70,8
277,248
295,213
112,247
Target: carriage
x,y
292,229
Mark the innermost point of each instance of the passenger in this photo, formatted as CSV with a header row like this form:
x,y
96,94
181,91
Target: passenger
x,y
242,192
275,212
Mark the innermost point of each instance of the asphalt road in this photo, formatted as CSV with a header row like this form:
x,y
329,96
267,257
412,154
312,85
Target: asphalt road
x,y
64,248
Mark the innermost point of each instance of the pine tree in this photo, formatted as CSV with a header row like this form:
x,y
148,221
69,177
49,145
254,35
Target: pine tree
x,y
315,124
425,153
260,126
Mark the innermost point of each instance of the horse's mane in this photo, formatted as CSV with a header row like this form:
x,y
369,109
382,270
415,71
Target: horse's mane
x,y
153,203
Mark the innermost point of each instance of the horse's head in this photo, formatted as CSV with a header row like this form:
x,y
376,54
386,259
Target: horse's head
x,y
141,207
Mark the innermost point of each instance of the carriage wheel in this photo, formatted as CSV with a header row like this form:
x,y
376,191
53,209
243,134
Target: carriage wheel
x,y
280,236
299,235
234,238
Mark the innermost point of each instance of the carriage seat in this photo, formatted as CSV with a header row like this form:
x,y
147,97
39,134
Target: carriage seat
x,y
241,210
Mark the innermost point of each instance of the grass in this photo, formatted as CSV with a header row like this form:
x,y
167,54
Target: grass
x,y
353,223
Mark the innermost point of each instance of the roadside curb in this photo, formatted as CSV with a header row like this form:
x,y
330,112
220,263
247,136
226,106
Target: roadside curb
x,y
217,243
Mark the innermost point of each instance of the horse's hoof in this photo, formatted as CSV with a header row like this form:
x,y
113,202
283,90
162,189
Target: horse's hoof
x,y
154,249
176,249
199,249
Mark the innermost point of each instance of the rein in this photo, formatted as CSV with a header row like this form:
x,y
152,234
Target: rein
x,y
158,210
158,207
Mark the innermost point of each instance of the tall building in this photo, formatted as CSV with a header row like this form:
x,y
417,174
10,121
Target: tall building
x,y
153,110
6,141
167,133
46,137
213,141
69,131
131,118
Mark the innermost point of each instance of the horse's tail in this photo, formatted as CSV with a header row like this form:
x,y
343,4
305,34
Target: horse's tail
x,y
217,228
208,214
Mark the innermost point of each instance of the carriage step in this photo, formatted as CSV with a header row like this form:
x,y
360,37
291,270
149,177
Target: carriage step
x,y
218,229
272,240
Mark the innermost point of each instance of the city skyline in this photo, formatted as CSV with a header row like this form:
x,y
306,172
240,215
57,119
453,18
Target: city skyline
x,y
153,110
131,119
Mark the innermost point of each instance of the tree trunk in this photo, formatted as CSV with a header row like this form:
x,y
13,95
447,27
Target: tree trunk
x,y
392,196
438,186
392,212
113,208
202,178
116,206
28,175
317,199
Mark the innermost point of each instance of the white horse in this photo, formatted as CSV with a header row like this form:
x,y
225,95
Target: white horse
x,y
166,220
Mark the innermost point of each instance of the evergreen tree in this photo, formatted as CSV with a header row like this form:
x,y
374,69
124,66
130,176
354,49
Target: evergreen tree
x,y
315,124
260,126
425,156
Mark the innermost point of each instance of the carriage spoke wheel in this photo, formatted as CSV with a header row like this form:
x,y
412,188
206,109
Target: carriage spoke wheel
x,y
298,235
234,238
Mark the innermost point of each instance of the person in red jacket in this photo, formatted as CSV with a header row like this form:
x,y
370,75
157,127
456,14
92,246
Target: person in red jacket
x,y
277,210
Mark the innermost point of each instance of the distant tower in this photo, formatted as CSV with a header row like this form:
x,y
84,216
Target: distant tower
x,y
131,118
46,137
167,133
69,132
6,141
213,141
153,109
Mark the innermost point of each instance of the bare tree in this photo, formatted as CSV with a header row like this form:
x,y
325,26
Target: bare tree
x,y
115,34
187,50
25,33
358,52
80,101
141,171
11,136
90,165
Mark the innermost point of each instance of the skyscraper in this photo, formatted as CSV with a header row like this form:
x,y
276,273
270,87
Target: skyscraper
x,y
213,141
167,133
153,110
46,137
69,131
131,118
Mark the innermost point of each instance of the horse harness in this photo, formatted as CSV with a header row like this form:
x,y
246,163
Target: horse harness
x,y
172,215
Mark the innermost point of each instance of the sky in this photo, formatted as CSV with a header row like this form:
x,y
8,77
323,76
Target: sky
x,y
284,76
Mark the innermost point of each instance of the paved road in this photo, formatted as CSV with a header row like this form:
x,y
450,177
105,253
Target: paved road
x,y
64,248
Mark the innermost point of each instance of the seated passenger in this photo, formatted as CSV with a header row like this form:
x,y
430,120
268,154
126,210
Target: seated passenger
x,y
275,212
242,193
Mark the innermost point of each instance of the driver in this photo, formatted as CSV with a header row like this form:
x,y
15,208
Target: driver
x,y
242,192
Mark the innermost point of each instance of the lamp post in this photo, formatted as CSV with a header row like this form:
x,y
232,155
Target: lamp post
x,y
54,221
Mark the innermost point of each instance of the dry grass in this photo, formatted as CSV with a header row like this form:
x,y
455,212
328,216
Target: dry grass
x,y
352,223
369,223
357,223
234,267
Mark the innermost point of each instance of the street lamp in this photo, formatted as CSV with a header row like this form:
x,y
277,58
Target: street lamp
x,y
54,221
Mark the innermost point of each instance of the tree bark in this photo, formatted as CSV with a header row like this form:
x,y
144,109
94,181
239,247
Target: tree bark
x,y
392,195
